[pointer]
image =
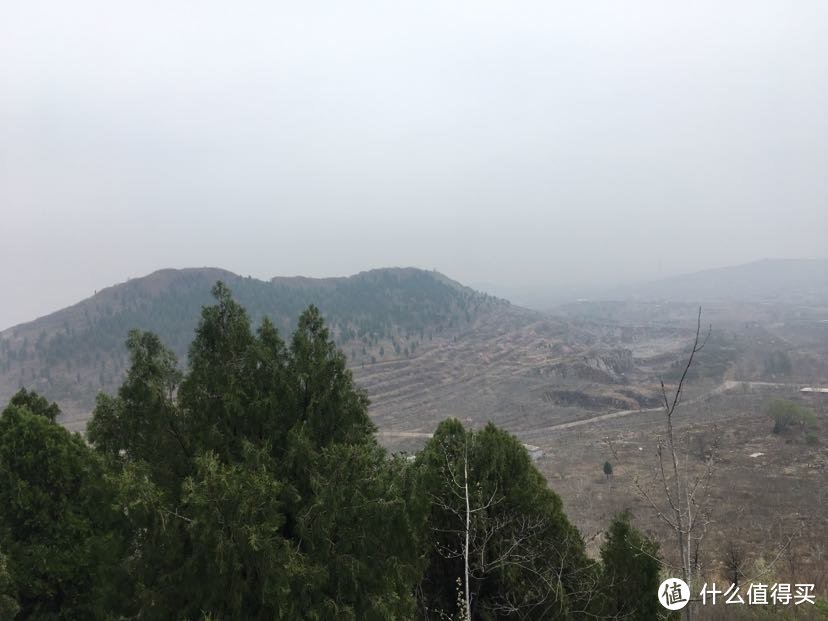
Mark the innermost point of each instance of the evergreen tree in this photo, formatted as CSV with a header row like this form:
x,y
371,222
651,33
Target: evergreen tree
x,y
143,423
36,404
607,470
277,502
62,539
219,384
241,566
8,601
490,509
631,568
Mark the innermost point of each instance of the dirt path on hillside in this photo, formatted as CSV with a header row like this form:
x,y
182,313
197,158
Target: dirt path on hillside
x,y
721,388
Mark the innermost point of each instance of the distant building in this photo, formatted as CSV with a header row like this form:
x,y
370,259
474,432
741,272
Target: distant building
x,y
535,452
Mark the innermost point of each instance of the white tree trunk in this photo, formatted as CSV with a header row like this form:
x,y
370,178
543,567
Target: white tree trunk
x,y
468,527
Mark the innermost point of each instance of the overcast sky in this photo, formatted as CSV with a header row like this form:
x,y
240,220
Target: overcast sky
x,y
508,142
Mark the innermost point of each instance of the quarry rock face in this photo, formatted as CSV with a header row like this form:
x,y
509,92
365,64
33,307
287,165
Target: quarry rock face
x,y
617,362
603,367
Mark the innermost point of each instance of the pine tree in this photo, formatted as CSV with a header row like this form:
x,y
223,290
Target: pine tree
x,y
36,404
495,528
631,568
62,539
278,501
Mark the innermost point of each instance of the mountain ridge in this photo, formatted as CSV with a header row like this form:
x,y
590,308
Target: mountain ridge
x,y
380,314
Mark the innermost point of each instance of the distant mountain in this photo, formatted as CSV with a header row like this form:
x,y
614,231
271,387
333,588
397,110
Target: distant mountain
x,y
798,281
801,281
378,315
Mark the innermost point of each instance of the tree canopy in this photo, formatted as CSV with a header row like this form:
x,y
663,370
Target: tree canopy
x,y
631,569
787,415
251,486
525,558
260,458
57,526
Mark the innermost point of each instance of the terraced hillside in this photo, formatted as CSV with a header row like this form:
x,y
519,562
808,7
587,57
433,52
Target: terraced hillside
x,y
422,345
516,369
378,315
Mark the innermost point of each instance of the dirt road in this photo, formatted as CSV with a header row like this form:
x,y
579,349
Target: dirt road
x,y
721,388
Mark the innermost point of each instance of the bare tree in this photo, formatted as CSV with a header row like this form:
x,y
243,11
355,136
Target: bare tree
x,y
684,507
734,561
460,488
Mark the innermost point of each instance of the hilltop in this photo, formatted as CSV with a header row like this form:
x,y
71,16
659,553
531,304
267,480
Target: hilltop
x,y
377,315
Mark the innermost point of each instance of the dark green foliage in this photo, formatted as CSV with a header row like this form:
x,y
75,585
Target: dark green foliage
x,y
144,423
8,595
332,409
257,489
35,404
220,384
57,527
371,563
235,516
630,576
607,469
252,487
526,560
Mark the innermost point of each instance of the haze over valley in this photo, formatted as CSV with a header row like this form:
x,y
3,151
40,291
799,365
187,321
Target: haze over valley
x,y
432,311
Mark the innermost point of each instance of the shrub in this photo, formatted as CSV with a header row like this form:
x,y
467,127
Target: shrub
x,y
787,414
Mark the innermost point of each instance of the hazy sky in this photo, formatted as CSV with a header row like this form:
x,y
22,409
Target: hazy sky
x,y
508,142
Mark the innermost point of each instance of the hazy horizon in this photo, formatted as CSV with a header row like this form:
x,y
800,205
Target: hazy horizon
x,y
528,144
